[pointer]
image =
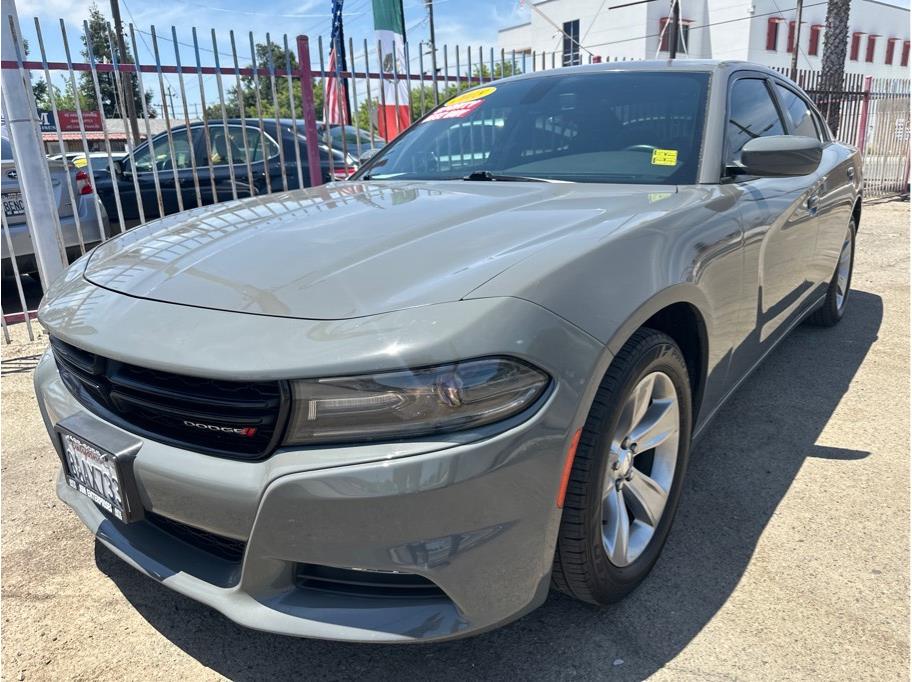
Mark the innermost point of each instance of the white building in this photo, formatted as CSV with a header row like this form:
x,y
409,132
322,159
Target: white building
x,y
752,30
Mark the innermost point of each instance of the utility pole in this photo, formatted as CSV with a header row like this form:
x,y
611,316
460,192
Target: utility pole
x,y
675,27
170,100
126,78
793,72
429,4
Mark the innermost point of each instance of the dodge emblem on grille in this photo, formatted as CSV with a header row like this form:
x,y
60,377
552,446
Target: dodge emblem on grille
x,y
247,431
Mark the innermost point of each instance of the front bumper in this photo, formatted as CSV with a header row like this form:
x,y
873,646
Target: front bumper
x,y
478,519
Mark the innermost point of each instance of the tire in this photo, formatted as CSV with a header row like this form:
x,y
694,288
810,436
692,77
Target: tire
x,y
834,305
582,566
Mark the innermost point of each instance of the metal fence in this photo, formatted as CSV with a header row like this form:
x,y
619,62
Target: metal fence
x,y
239,94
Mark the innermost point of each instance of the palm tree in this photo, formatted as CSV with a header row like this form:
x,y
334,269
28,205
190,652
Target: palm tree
x,y
835,42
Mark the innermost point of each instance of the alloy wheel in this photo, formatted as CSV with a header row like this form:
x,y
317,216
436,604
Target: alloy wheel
x,y
844,270
642,455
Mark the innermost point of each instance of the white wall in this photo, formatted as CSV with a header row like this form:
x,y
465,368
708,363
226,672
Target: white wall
x,y
631,32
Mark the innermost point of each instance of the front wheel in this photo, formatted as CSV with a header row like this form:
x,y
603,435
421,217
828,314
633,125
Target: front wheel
x,y
627,474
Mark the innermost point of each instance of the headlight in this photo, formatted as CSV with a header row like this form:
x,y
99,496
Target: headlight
x,y
411,403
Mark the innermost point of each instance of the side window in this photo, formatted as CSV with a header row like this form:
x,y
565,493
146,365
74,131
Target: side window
x,y
143,161
225,143
256,145
228,143
751,114
798,113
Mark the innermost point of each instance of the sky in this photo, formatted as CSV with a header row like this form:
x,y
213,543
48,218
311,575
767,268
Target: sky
x,y
462,22
457,22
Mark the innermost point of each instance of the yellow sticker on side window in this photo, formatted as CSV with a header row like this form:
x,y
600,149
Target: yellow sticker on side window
x,y
477,93
664,157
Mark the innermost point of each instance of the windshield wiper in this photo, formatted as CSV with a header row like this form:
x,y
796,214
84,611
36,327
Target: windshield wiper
x,y
500,177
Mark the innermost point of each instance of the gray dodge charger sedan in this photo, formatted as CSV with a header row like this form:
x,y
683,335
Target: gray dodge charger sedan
x,y
404,406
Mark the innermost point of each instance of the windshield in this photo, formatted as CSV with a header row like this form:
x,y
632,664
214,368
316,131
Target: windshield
x,y
622,127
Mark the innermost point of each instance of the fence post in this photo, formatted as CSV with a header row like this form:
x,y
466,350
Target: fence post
x,y
862,131
31,164
309,114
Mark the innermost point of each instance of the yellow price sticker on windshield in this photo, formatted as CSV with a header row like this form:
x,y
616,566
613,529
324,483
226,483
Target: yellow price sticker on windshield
x,y
664,157
471,95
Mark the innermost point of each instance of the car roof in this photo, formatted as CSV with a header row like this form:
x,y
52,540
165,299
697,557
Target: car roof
x,y
685,65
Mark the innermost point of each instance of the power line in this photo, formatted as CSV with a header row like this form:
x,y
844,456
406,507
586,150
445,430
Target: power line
x,y
715,23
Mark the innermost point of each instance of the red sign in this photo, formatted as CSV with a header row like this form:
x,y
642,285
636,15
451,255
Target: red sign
x,y
69,121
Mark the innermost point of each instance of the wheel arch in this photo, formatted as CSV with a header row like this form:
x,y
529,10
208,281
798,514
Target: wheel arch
x,y
680,312
856,213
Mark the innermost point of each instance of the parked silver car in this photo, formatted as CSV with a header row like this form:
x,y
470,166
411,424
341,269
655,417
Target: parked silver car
x,y
92,217
401,407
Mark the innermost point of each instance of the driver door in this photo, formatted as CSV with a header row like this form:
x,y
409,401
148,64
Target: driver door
x,y
780,222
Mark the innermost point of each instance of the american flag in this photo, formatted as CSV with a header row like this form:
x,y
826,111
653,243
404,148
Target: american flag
x,y
335,103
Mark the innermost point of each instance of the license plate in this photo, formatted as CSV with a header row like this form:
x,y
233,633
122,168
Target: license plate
x,y
13,204
95,473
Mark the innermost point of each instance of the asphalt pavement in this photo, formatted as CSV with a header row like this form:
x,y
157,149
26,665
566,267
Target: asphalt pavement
x,y
789,558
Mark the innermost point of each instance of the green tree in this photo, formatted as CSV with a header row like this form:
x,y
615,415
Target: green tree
x,y
501,70
250,86
102,37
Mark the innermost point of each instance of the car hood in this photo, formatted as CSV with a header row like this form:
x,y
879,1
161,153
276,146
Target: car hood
x,y
354,249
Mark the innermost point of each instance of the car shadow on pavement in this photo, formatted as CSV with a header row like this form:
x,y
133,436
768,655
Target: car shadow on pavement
x,y
739,472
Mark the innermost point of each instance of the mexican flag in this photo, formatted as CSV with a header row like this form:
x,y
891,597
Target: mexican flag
x,y
389,28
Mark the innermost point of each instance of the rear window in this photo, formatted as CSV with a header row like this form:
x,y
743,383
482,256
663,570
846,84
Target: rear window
x,y
7,149
623,127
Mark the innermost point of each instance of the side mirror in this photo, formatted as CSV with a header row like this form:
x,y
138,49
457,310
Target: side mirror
x,y
121,166
780,156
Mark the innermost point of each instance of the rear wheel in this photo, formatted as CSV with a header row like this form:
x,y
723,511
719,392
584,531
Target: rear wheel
x,y
626,477
833,307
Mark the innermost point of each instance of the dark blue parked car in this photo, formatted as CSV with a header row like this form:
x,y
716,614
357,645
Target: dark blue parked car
x,y
239,142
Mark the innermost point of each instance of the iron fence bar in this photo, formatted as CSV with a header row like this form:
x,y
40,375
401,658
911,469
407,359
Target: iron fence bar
x,y
119,88
149,140
169,134
259,110
421,71
382,109
270,66
370,105
395,61
458,69
104,125
6,334
207,136
12,256
434,73
341,90
239,87
81,122
291,106
69,185
326,132
408,77
308,112
354,92
183,96
226,130
446,75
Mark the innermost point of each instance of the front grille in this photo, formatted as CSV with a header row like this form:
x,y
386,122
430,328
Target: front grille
x,y
365,583
165,407
228,549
